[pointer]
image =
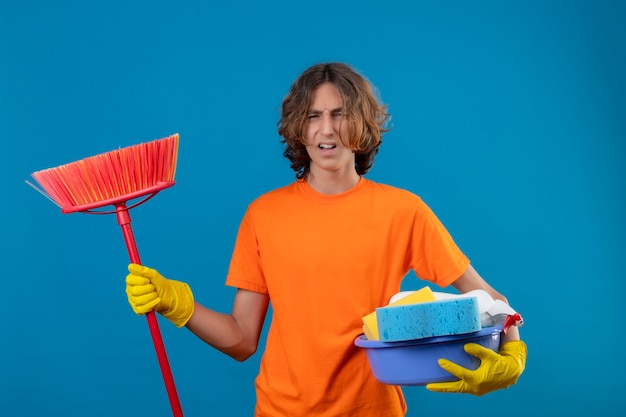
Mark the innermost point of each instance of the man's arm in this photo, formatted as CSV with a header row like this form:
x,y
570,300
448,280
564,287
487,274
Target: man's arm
x,y
236,334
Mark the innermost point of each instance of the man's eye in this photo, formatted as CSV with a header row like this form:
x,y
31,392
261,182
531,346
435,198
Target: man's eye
x,y
313,116
338,114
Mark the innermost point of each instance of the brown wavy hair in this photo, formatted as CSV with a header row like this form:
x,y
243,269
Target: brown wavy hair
x,y
367,116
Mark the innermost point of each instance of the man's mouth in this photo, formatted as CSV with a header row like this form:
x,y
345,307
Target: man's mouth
x,y
327,146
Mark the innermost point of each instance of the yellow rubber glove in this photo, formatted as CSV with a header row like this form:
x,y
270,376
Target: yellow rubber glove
x,y
496,370
148,290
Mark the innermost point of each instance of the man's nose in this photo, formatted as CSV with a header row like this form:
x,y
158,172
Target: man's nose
x,y
328,124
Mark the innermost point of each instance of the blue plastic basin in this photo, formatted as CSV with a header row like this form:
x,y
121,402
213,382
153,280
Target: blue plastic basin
x,y
414,362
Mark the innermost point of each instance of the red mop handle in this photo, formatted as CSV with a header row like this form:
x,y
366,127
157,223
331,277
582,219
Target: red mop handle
x,y
123,218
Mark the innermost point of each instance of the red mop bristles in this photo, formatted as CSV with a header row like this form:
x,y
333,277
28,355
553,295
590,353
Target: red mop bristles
x,y
112,174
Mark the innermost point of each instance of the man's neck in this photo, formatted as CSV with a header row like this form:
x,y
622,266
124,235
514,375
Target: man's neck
x,y
333,182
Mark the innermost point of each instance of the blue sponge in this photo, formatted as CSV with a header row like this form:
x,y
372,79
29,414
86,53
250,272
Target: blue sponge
x,y
436,318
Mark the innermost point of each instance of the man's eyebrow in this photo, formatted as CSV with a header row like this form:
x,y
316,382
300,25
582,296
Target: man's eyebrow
x,y
335,110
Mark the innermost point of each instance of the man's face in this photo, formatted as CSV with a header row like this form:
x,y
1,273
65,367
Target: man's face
x,y
326,132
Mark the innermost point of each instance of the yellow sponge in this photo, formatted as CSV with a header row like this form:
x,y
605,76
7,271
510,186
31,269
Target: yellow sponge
x,y
370,324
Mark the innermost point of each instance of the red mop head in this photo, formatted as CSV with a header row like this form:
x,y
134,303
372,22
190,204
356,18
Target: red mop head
x,y
112,177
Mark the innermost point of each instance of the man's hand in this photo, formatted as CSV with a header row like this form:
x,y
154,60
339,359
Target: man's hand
x,y
148,290
496,370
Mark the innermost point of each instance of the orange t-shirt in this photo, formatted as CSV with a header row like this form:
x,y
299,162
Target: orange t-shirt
x,y
326,261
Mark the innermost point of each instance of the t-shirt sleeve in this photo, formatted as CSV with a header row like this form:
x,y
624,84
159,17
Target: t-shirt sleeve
x,y
245,265
433,254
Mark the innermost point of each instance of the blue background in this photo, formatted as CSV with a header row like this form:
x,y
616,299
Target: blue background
x,y
508,120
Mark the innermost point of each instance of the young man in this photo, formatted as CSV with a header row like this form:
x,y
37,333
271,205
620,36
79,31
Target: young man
x,y
325,251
